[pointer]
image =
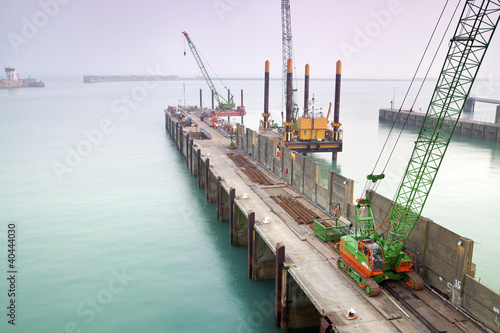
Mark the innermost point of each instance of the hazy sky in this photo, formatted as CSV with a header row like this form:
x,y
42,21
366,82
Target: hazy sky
x,y
374,39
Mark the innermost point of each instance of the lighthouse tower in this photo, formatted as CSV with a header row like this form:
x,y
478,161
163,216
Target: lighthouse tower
x,y
11,74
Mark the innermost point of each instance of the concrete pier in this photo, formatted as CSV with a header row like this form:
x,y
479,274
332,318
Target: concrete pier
x,y
311,291
469,128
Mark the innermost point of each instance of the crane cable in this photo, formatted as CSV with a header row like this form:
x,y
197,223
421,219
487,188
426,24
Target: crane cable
x,y
392,223
371,186
183,71
214,73
423,81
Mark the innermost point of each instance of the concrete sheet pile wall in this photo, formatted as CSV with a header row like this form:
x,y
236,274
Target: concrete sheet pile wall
x,y
277,164
341,193
251,136
270,153
483,302
191,156
262,142
201,173
323,197
244,143
312,177
224,203
247,146
184,143
211,189
195,161
240,137
439,256
298,172
286,155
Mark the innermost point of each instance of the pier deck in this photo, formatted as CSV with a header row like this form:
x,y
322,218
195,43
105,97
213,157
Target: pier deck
x,y
312,290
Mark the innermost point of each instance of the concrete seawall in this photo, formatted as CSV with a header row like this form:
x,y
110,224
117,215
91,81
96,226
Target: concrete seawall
x,y
444,258
469,128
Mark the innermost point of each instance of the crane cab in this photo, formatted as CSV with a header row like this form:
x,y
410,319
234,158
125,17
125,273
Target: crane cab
x,y
364,255
373,254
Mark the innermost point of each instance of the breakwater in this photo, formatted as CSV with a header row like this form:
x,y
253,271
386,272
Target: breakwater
x,y
468,128
21,83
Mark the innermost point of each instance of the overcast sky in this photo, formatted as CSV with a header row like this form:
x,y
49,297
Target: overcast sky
x,y
374,39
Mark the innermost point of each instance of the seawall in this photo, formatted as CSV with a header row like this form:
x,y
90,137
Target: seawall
x,y
469,128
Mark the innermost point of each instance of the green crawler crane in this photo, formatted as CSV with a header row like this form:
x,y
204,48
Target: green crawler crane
x,y
370,257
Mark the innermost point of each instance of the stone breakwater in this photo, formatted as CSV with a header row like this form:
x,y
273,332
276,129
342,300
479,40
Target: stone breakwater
x,y
21,83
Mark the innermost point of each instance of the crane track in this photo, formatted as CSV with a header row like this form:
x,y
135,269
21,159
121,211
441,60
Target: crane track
x,y
413,310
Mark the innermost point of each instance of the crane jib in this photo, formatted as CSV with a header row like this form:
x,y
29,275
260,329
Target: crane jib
x,y
203,70
465,55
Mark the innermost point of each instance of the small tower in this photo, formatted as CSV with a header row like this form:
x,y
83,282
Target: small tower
x,y
10,74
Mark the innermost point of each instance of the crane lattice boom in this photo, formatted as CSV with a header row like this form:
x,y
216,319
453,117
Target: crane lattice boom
x,y
286,31
197,57
467,49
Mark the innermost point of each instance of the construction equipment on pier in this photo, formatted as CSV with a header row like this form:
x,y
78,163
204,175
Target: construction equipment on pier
x,y
312,132
370,256
225,107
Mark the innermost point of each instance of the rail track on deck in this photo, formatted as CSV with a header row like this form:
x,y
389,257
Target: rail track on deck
x,y
436,315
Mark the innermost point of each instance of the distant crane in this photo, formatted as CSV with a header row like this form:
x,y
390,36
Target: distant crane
x,y
218,97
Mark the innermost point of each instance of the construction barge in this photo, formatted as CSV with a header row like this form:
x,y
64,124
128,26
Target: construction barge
x,y
277,207
311,132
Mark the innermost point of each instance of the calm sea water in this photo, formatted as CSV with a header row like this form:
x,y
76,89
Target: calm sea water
x,y
113,235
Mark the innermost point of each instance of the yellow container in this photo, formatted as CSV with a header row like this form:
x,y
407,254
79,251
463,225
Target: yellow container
x,y
312,128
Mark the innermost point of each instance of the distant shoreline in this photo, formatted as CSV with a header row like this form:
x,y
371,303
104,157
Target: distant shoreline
x,y
119,78
124,78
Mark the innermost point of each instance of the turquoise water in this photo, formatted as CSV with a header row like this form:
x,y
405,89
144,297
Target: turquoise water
x,y
113,234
